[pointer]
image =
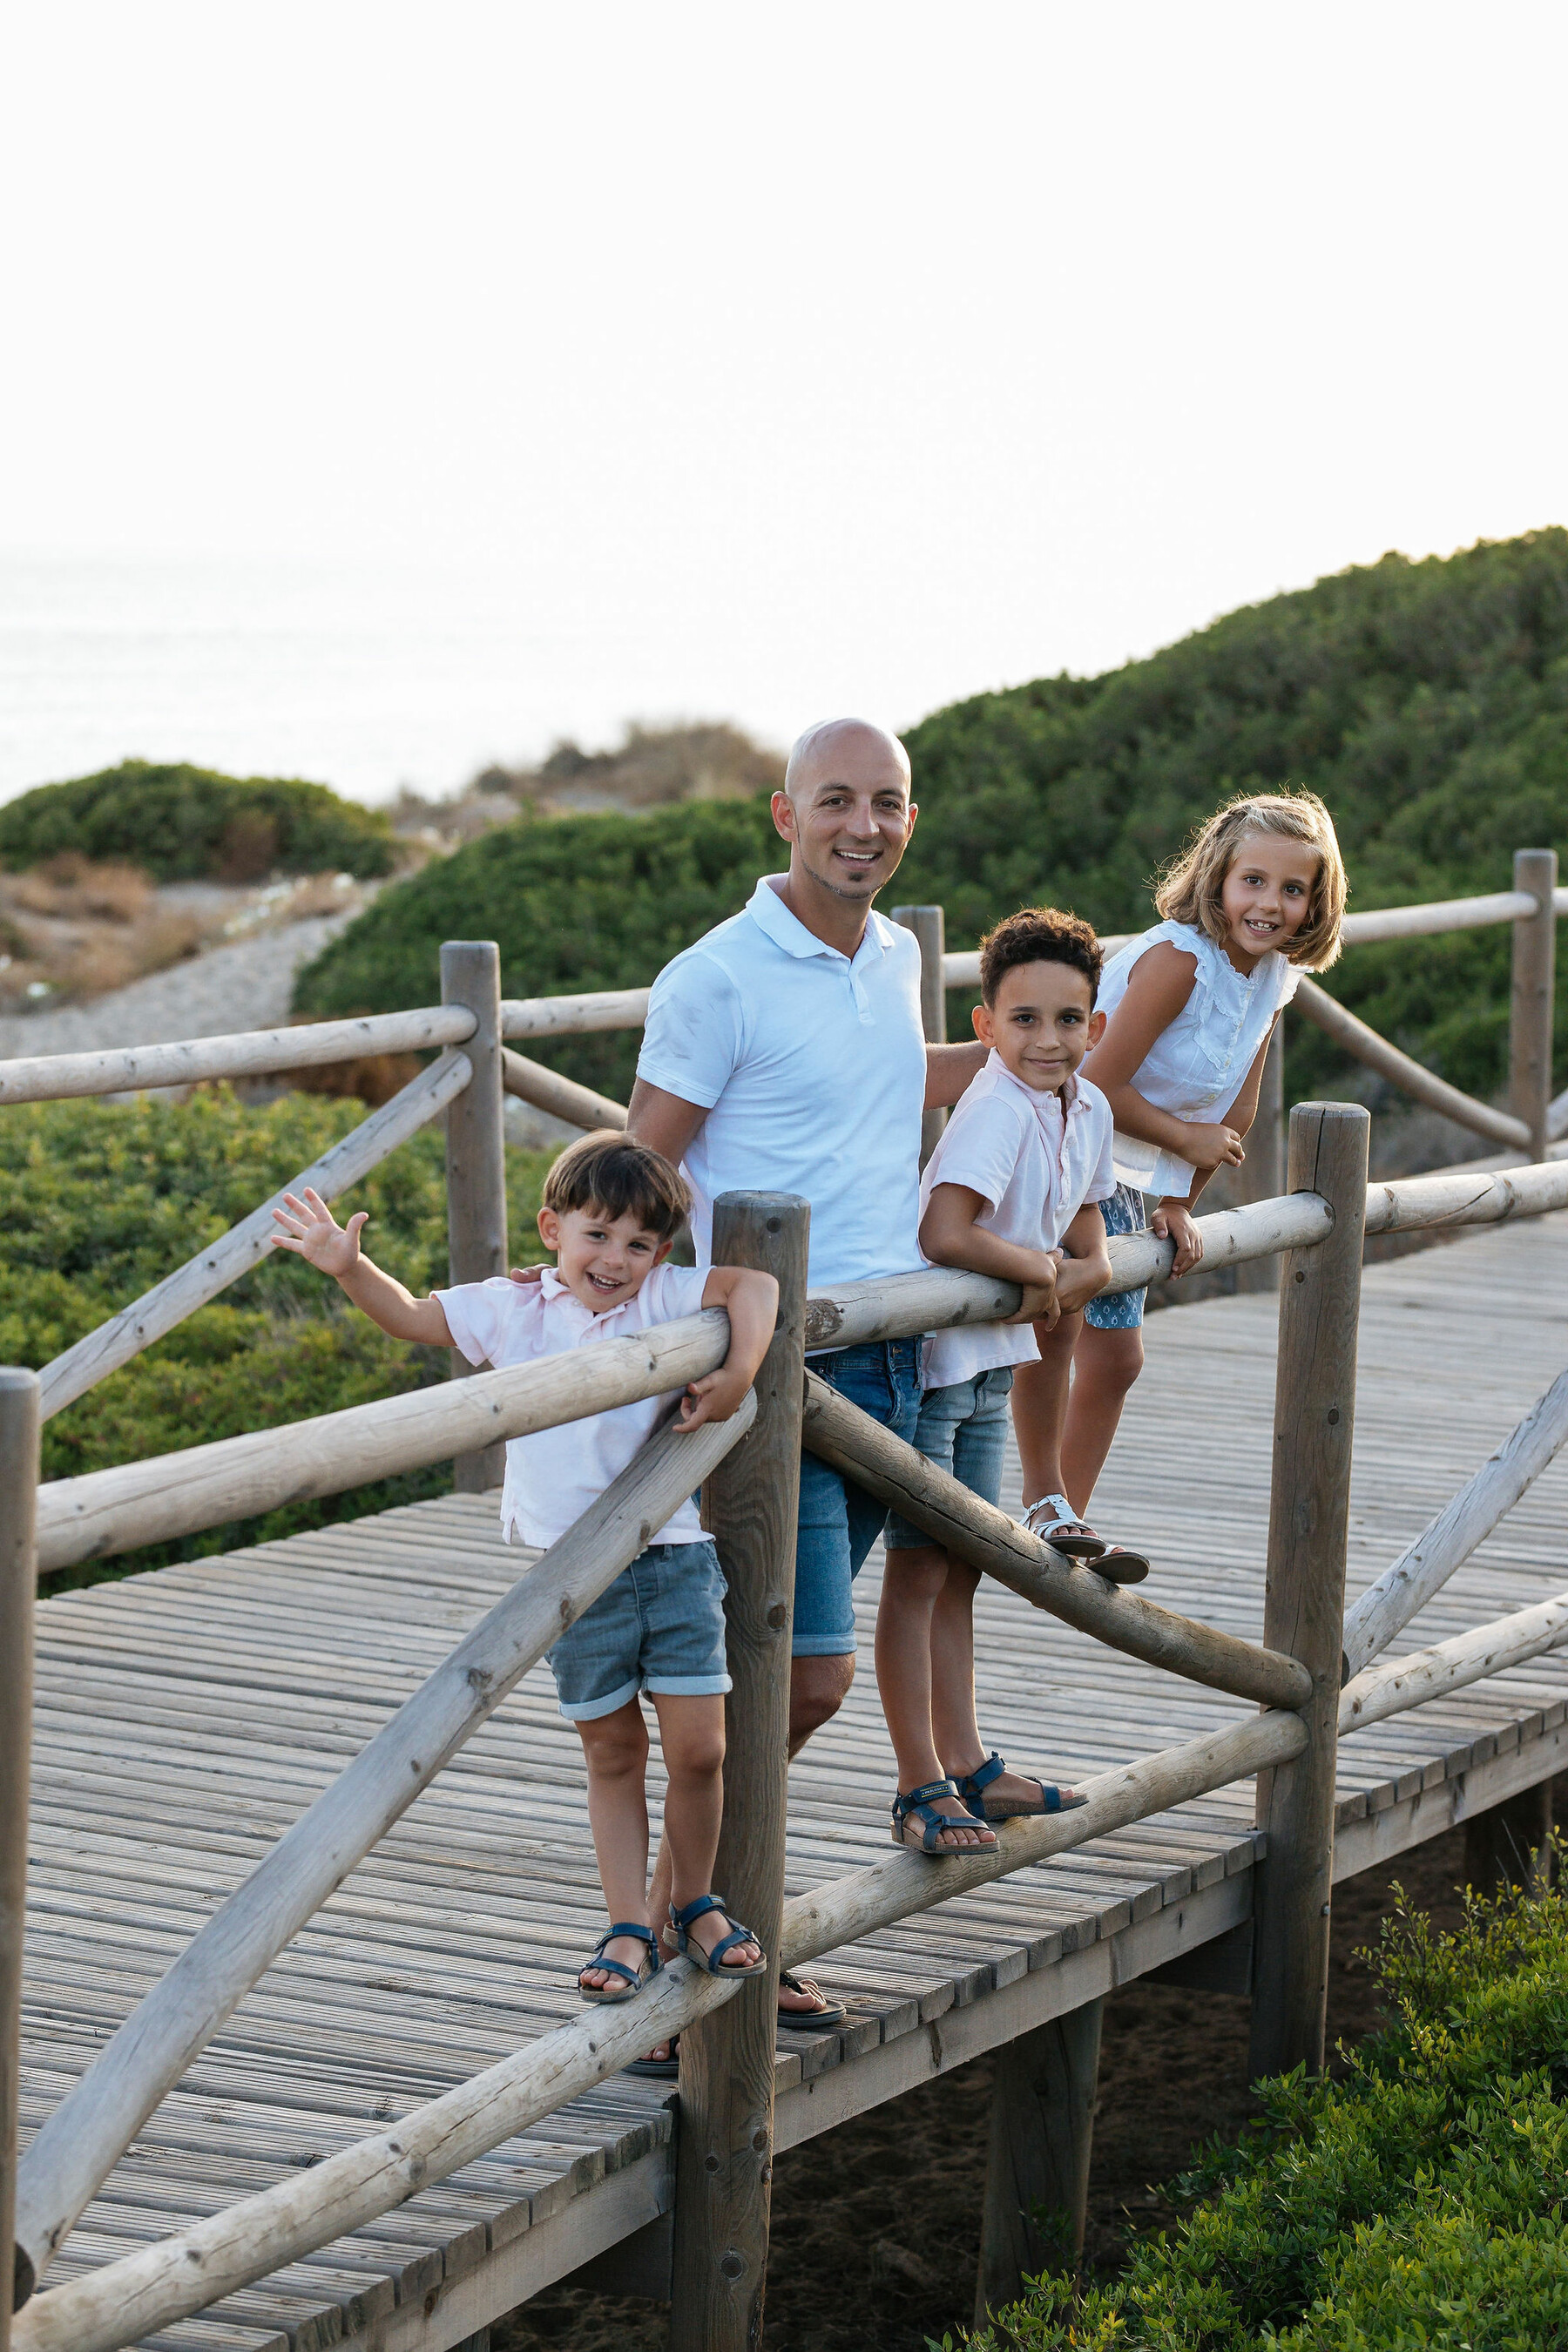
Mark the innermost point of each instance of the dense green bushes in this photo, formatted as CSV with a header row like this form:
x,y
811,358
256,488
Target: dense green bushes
x,y
1427,702
103,1200
1419,2203
184,824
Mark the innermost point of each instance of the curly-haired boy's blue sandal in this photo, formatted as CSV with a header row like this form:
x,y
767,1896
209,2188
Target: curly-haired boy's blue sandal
x,y
714,1962
918,1805
972,1788
644,1973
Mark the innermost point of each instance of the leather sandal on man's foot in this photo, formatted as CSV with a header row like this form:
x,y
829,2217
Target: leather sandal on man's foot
x,y
821,2019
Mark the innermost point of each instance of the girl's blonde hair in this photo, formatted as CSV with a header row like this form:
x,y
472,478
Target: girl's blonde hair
x,y
1188,891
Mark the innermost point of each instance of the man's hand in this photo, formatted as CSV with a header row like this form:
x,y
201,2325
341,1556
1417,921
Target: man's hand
x,y
312,1232
1173,1221
1213,1147
715,1398
526,1273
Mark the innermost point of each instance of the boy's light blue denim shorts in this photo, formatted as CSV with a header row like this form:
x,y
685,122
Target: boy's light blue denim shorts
x,y
659,1627
838,1522
1123,1311
963,1430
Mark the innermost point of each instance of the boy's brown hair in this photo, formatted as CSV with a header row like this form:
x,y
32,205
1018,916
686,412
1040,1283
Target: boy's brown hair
x,y
1039,935
607,1171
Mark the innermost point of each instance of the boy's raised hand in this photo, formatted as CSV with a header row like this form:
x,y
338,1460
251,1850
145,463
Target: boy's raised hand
x,y
311,1231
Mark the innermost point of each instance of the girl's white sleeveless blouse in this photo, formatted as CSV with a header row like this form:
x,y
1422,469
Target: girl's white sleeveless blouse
x,y
1197,1066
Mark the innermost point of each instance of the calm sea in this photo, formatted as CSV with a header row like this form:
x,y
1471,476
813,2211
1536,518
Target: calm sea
x,y
364,676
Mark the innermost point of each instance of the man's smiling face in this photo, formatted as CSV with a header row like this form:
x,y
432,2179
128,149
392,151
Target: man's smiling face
x,y
848,816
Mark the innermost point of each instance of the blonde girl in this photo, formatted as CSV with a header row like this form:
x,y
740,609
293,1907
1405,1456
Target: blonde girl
x,y
1257,898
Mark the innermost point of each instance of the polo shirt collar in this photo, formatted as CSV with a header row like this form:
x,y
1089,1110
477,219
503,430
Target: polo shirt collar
x,y
768,912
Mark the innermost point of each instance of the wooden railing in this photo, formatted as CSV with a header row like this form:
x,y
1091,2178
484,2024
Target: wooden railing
x,y
1315,1674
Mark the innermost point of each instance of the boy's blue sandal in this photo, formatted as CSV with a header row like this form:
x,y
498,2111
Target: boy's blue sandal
x,y
972,1788
635,1977
918,1805
713,1961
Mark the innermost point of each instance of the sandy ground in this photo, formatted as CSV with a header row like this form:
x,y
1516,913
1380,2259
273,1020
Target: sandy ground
x,y
875,2225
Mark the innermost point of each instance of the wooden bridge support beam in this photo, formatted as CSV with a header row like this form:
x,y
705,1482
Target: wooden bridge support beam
x,y
929,925
724,2144
1314,1421
476,1159
1530,1004
1036,2169
1508,1845
19,1581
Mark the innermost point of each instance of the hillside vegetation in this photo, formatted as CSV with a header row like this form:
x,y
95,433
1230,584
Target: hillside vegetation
x,y
182,824
1426,702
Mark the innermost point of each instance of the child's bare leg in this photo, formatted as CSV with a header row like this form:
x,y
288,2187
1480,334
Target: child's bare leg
x,y
691,1733
615,1748
1105,1366
913,1580
1040,1407
953,1720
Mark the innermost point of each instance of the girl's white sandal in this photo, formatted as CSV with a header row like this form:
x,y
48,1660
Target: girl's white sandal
x,y
1054,1521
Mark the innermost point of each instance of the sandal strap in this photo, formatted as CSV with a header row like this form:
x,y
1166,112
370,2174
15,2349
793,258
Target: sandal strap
x,y
914,1799
973,1783
695,1909
1066,1517
628,1927
740,1935
636,1977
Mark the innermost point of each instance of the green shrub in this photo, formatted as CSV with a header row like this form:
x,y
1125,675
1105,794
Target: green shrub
x,y
106,1198
1426,702
1419,2202
189,825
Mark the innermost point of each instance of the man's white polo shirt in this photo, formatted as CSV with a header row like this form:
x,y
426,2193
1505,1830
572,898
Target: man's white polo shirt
x,y
811,1065
1034,1157
553,1474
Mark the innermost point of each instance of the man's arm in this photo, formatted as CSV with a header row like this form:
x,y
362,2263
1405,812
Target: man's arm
x,y
666,1123
949,1069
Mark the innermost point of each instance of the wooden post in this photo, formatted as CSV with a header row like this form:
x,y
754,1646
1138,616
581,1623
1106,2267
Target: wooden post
x,y
1314,1420
930,927
476,1161
19,1580
724,2148
1036,2172
1263,1169
1529,1007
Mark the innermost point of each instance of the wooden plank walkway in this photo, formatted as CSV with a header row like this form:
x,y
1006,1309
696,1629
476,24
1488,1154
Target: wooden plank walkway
x,y
185,1718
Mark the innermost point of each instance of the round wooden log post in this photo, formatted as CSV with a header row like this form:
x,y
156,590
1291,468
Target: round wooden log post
x,y
725,2147
930,927
1314,1421
1037,2170
19,1581
1529,1007
1263,1169
476,1161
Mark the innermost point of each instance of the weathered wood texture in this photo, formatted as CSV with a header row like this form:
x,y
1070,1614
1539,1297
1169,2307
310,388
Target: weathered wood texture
x,y
1466,1520
202,1277
1262,1174
1308,1516
476,1162
252,1053
1354,1037
930,927
561,1097
1037,2157
1470,1657
987,1538
74,2153
725,2147
1530,1003
574,1016
19,1490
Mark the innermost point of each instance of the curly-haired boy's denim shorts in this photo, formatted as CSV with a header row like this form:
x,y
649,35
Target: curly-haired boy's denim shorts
x,y
838,1522
963,1430
1123,1310
659,1627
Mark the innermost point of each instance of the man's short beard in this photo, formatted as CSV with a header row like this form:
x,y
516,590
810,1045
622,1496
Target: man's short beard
x,y
834,882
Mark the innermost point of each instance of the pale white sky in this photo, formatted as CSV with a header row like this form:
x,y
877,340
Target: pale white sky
x,y
768,362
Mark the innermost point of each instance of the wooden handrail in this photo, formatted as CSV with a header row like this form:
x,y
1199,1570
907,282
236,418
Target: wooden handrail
x,y
150,2289
96,2122
547,1090
159,1310
249,1053
1485,1649
965,1523
1354,1037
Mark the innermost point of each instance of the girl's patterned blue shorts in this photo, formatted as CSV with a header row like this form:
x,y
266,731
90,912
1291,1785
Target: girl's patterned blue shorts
x,y
1123,1310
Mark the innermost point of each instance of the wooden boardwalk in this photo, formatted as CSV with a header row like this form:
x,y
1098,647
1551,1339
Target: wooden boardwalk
x,y
185,1720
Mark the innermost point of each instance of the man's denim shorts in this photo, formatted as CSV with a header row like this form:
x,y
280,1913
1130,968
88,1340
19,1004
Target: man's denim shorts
x,y
963,1430
659,1627
1123,1310
838,1522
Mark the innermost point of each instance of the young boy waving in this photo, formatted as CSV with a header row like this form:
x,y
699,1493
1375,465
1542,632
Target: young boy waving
x,y
1010,1190
612,1211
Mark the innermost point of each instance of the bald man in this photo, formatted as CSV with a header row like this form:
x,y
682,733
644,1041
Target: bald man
x,y
784,1053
